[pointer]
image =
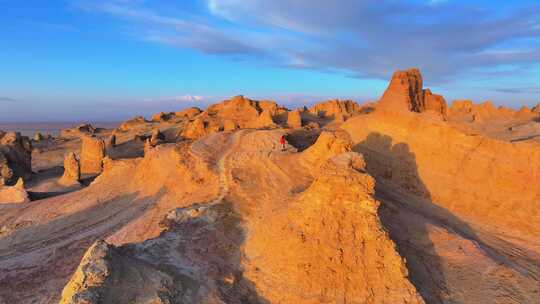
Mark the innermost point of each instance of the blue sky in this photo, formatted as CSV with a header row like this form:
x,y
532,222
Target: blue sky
x,y
109,60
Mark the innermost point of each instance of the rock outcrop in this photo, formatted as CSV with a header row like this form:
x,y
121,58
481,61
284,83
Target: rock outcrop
x,y
13,194
405,93
467,111
333,248
264,120
132,123
111,142
72,171
536,109
327,145
294,119
38,136
15,157
188,113
162,116
471,176
335,108
156,138
235,113
80,130
435,103
92,154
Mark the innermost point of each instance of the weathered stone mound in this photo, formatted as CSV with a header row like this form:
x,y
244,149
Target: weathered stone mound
x,y
435,103
336,109
92,154
80,130
405,93
536,109
107,275
236,113
470,176
72,171
15,157
162,116
468,111
327,145
294,119
330,246
132,123
188,113
13,194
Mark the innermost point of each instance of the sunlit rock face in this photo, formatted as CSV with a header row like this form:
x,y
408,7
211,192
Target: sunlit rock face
x,y
92,154
406,93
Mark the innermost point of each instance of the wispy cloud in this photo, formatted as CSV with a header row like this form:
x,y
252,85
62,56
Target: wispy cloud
x,y
179,99
7,99
518,90
367,39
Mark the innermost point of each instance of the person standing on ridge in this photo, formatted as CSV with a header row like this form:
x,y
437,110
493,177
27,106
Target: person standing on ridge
x,y
282,142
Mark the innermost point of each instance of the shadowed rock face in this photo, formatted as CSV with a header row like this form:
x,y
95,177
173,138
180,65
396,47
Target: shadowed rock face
x,y
470,175
15,157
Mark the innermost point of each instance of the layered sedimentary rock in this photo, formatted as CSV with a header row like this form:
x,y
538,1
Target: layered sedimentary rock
x,y
15,157
332,246
237,112
294,119
162,116
111,142
405,93
157,137
132,123
327,145
435,103
468,111
92,154
336,108
188,113
72,170
80,130
13,194
263,121
470,176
